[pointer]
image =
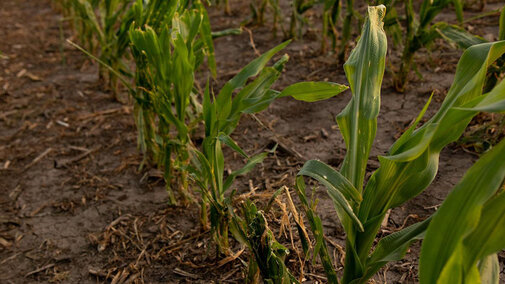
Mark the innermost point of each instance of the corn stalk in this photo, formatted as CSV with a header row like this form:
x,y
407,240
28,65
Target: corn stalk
x,y
169,42
221,115
412,161
420,33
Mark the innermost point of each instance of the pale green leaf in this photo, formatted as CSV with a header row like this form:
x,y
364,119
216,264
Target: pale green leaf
x,y
313,91
364,70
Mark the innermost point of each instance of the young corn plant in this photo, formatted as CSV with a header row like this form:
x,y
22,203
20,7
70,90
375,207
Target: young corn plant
x,y
411,163
169,43
267,255
225,3
464,40
299,7
488,133
331,14
221,116
258,9
350,14
103,27
420,32
466,233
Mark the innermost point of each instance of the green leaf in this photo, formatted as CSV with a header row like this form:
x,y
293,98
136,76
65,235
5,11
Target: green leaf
x,y
458,6
224,99
494,101
394,246
341,191
209,113
459,215
331,179
251,163
256,93
226,139
313,91
218,166
489,235
402,141
458,35
207,36
364,70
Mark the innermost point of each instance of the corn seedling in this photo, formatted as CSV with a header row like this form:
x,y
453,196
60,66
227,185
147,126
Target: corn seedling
x,y
487,133
331,14
350,13
411,163
103,27
225,3
464,40
169,43
299,7
258,9
420,32
221,116
268,255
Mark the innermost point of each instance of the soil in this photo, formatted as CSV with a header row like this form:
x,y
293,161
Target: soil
x,y
77,208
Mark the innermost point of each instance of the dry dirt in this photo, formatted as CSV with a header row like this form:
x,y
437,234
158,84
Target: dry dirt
x,y
75,208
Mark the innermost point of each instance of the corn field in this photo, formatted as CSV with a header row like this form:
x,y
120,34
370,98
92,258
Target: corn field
x,y
258,141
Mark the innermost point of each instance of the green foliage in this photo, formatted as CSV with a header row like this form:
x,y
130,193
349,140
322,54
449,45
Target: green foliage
x,y
464,40
225,3
421,31
267,254
103,27
501,35
475,209
411,163
221,116
169,42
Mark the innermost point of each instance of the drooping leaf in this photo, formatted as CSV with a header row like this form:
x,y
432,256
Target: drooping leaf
x,y
394,246
458,35
251,163
226,139
341,191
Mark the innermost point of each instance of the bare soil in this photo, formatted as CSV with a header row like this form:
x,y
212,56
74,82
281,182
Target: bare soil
x,y
76,208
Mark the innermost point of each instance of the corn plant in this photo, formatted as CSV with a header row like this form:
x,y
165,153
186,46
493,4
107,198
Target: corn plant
x,y
464,40
420,32
350,14
331,14
103,27
169,43
411,163
267,255
299,7
468,230
225,3
258,9
221,116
